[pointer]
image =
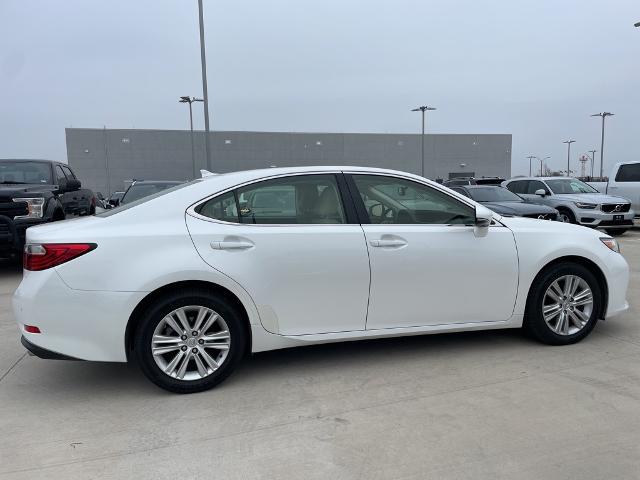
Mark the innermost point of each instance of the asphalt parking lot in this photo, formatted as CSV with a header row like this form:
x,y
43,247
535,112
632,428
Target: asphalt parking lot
x,y
463,406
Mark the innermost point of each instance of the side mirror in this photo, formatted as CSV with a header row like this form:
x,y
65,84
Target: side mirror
x,y
68,185
484,216
541,192
73,185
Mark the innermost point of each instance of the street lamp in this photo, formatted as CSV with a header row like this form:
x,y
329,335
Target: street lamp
x,y
568,142
205,95
190,100
530,157
422,109
541,163
593,157
603,115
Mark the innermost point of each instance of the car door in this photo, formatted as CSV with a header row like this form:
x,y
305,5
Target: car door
x,y
428,267
69,205
295,246
81,197
626,184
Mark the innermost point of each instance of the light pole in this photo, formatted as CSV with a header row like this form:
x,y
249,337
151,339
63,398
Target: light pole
x,y
422,109
603,115
190,100
541,164
568,142
593,157
205,95
530,157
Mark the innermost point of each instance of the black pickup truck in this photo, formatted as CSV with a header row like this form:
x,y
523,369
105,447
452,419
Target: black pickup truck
x,y
33,192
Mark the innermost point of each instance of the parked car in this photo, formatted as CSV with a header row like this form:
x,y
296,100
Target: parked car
x,y
459,181
33,192
186,282
576,202
142,188
624,181
504,202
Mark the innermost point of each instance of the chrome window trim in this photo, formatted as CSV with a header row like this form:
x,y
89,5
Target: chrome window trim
x,y
192,212
464,200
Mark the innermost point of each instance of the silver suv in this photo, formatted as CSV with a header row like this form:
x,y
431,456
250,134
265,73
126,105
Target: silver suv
x,y
576,202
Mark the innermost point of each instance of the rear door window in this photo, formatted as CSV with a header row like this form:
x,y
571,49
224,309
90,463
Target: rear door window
x,y
518,186
628,173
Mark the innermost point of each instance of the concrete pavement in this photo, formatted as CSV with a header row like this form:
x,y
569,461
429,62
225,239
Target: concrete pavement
x,y
459,406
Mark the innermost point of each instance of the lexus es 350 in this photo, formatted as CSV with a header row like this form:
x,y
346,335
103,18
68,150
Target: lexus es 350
x,y
189,280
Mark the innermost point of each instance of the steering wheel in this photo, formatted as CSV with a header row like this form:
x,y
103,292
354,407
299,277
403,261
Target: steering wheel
x,y
385,211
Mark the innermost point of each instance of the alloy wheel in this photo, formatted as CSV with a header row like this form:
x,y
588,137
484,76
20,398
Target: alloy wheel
x,y
567,305
190,343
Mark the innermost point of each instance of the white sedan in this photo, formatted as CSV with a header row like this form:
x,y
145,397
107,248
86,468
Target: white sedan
x,y
191,279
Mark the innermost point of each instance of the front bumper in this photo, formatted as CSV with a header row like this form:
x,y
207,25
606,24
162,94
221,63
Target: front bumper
x,y
599,219
617,276
13,234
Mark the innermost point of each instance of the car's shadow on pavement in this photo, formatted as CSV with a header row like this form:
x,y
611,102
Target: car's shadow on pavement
x,y
289,368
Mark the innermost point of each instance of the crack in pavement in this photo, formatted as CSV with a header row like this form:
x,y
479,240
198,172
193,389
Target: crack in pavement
x,y
13,366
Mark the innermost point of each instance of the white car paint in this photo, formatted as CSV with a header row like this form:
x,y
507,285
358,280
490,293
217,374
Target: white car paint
x,y
626,185
299,284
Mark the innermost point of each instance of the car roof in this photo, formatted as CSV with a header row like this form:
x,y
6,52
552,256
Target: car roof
x,y
542,178
30,160
477,187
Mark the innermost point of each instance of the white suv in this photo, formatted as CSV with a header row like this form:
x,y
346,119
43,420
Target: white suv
x,y
576,201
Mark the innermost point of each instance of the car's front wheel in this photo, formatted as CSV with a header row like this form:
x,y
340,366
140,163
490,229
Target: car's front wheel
x,y
566,215
563,305
189,341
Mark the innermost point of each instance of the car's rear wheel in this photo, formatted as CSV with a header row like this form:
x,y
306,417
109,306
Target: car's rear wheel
x,y
190,341
616,232
563,305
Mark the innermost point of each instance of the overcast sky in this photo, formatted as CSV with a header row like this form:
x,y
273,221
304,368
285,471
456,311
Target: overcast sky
x,y
535,69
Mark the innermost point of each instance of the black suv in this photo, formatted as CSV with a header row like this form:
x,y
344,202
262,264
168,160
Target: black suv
x,y
33,192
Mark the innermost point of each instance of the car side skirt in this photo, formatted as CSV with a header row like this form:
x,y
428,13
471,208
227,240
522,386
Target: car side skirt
x,y
264,341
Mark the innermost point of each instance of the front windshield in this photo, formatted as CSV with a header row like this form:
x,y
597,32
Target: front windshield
x,y
25,172
570,185
141,190
493,194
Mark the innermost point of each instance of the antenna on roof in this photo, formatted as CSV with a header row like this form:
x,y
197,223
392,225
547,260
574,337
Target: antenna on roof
x,y
207,173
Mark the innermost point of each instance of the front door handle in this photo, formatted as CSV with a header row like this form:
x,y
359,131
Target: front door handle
x,y
231,245
388,242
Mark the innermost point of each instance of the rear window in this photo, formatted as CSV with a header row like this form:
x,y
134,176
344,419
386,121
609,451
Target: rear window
x,y
127,206
628,173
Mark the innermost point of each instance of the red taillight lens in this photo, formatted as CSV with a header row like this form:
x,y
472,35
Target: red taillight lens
x,y
31,329
40,256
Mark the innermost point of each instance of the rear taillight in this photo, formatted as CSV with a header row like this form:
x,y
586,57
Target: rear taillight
x,y
40,256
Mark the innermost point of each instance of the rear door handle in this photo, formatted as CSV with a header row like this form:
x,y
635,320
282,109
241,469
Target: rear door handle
x,y
231,245
392,242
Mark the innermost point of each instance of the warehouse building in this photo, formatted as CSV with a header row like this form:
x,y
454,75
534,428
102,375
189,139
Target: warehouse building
x,y
106,159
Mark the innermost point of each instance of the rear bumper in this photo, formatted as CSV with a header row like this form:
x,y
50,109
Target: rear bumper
x,y
81,324
43,352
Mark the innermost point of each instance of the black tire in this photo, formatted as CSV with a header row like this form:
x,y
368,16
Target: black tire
x,y
534,323
566,215
616,232
150,319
